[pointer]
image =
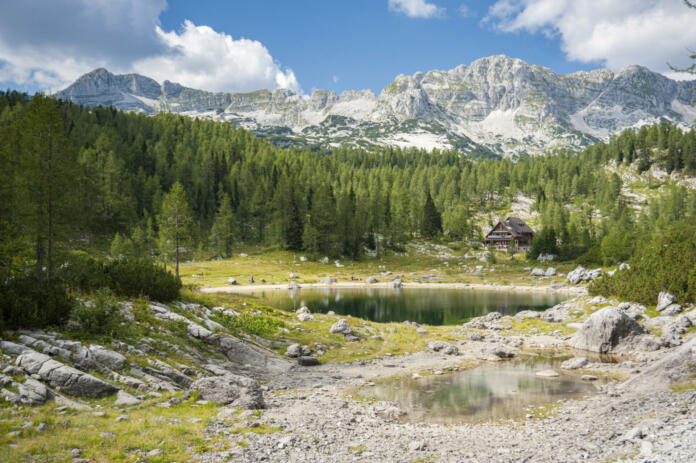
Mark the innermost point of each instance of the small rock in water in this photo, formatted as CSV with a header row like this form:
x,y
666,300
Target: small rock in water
x,y
589,378
547,374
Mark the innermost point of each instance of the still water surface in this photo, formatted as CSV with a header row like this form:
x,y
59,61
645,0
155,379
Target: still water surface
x,y
430,306
506,390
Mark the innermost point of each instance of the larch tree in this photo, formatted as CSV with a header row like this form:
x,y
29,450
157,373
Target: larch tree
x,y
175,222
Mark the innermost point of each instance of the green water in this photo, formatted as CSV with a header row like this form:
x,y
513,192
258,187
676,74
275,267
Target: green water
x,y
430,306
506,390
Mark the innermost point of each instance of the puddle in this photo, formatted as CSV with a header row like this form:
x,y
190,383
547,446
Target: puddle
x,y
506,390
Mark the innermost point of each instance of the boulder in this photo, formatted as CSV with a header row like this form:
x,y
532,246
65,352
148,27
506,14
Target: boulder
x,y
293,350
341,327
664,300
550,272
32,392
303,309
371,280
672,310
305,317
577,276
624,266
13,348
443,347
482,323
59,375
293,285
237,391
307,361
126,399
574,363
604,330
326,281
232,281
421,330
324,260
525,314
107,357
294,276
396,284
537,272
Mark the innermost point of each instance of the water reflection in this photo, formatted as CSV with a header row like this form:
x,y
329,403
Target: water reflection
x,y
432,306
489,392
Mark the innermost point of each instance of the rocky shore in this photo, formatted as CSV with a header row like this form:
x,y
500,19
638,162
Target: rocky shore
x,y
644,409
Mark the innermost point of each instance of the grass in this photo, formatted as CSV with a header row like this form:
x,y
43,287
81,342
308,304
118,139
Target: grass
x,y
178,431
275,267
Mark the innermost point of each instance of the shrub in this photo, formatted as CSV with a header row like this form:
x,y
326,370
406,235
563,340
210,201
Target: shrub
x,y
260,325
124,277
26,302
99,316
666,263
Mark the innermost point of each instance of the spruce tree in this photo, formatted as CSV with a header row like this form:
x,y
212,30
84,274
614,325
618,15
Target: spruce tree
x,y
432,220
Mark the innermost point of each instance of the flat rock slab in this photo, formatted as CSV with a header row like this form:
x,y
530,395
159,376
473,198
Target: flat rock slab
x,y
68,379
238,391
547,373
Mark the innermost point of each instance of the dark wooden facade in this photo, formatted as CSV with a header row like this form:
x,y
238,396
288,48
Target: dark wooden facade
x,y
509,231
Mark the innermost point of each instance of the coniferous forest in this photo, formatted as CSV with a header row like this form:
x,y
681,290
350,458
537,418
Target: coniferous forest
x,y
170,187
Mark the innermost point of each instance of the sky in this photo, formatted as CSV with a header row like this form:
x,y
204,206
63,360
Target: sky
x,y
239,45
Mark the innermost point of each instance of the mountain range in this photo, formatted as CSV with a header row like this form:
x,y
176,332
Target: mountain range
x,y
496,106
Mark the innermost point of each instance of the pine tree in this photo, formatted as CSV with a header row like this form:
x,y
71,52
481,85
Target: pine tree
x,y
175,222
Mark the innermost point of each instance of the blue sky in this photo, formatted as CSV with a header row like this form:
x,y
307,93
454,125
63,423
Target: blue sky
x,y
332,44
365,44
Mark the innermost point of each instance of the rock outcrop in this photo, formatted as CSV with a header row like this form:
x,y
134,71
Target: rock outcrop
x,y
237,391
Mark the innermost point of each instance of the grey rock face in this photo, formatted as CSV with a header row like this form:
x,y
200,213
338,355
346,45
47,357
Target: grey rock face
x,y
32,392
293,350
673,368
69,379
497,105
664,300
604,330
235,390
108,357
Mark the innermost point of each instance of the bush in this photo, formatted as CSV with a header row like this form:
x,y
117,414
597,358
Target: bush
x,y
124,277
100,316
666,263
591,258
26,302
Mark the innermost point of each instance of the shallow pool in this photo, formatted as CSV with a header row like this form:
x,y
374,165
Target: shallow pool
x,y
505,390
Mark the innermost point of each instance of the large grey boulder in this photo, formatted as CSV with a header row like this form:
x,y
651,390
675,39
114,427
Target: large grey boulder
x,y
537,272
574,363
108,357
13,348
59,375
341,327
293,350
550,272
237,391
604,330
126,399
577,276
371,280
32,392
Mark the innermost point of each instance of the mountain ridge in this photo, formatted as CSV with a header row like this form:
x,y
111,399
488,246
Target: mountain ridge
x,y
495,106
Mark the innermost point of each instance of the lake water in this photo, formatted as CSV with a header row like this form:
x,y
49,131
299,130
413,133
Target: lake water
x,y
431,306
506,390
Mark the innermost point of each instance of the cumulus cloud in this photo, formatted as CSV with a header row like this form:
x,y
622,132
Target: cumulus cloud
x,y
48,44
465,11
202,58
416,8
615,33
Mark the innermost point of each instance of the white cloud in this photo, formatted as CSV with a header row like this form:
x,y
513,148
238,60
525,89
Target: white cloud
x,y
416,8
48,44
466,11
200,57
616,33
335,79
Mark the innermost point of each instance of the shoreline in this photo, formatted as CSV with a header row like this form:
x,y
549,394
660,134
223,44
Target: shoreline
x,y
243,289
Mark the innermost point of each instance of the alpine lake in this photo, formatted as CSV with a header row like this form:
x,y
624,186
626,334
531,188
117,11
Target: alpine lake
x,y
493,391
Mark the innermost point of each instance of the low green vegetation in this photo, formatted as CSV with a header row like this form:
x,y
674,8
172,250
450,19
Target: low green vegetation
x,y
663,262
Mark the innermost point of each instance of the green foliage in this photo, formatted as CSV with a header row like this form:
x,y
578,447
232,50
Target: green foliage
x,y
666,263
432,220
99,316
175,222
124,277
260,325
544,242
26,301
